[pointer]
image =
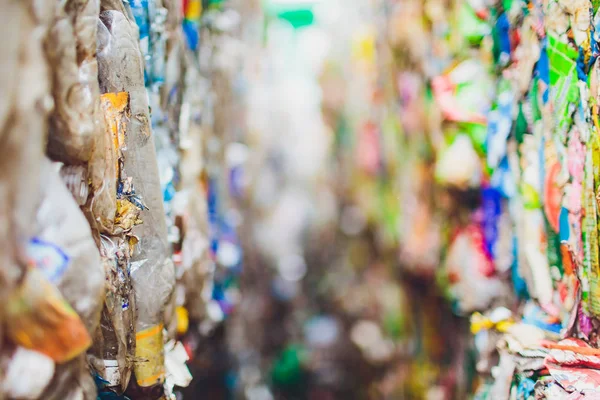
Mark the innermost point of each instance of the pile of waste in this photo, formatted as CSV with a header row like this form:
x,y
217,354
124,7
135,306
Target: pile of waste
x,y
493,128
117,252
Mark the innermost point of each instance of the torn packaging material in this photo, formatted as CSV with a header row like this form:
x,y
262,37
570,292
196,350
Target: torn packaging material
x,y
74,87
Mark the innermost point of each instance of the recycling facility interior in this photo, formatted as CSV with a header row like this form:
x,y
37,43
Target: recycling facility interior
x,y
299,199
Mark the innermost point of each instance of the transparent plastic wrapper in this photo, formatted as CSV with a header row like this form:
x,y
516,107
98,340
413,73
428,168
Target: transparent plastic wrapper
x,y
114,342
121,70
70,47
174,17
103,204
77,135
64,250
116,5
64,237
171,317
84,15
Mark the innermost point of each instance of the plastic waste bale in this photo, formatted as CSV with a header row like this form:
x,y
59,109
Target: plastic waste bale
x,y
91,142
65,252
121,70
113,352
24,108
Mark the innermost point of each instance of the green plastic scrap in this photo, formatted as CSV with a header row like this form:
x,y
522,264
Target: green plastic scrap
x,y
389,211
299,14
471,26
562,60
478,134
287,370
536,113
394,324
298,18
520,127
212,4
531,198
563,78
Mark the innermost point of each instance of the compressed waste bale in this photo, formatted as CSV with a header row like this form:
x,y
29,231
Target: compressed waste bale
x,y
121,70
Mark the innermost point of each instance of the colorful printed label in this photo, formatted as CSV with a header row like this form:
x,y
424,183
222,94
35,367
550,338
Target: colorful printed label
x,y
48,258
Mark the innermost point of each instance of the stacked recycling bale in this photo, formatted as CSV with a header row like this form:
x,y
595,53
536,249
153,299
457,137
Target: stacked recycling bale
x,y
106,239
498,125
394,311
